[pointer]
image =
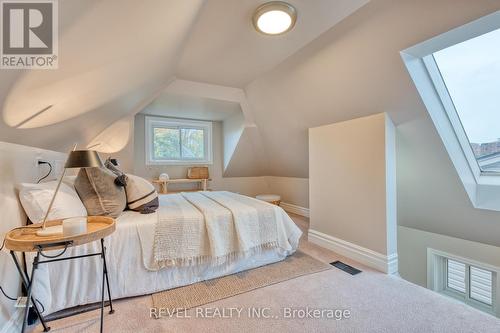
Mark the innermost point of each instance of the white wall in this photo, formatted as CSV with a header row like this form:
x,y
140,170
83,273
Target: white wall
x,y
294,191
353,70
118,141
17,165
350,71
232,129
352,186
431,196
245,185
132,160
413,245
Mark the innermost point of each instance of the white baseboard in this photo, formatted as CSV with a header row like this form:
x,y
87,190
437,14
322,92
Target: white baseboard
x,y
370,258
294,209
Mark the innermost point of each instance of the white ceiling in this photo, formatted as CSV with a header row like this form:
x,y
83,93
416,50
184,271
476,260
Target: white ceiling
x,y
118,56
351,71
224,48
190,107
113,55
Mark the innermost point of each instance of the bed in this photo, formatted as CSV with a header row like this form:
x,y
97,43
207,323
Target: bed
x,y
132,268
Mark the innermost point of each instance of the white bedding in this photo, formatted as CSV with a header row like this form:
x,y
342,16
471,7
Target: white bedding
x,y
211,227
66,284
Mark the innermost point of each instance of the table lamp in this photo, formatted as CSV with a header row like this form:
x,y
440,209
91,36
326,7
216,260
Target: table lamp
x,y
76,159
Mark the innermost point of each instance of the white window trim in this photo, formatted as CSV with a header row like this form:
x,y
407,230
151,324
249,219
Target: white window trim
x,y
482,188
436,279
150,122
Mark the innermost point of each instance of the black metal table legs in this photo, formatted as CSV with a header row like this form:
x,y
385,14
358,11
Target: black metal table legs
x,y
28,280
105,278
28,284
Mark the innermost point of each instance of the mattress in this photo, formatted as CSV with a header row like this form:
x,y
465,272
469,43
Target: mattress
x,y
66,284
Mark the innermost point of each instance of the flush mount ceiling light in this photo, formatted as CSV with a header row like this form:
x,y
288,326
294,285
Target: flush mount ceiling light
x,y
274,18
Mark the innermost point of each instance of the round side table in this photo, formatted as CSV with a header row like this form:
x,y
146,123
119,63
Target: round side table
x,y
25,239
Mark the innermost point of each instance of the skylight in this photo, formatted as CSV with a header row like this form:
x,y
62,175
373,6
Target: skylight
x,y
458,77
471,73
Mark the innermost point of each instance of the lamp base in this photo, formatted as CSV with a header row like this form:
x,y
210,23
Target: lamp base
x,y
56,230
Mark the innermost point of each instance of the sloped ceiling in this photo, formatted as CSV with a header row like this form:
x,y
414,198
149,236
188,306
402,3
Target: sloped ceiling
x,y
248,158
117,56
189,107
225,49
352,70
245,159
113,55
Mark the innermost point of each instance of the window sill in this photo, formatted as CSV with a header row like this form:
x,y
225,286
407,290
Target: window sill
x,y
462,299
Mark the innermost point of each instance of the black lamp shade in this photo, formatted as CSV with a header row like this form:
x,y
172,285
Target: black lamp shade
x,y
83,159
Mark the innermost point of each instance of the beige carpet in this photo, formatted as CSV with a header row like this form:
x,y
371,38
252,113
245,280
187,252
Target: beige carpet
x,y
377,302
183,298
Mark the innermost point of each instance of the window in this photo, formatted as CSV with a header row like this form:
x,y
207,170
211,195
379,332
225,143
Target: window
x,y
471,73
478,286
455,279
481,285
173,141
469,283
466,280
457,74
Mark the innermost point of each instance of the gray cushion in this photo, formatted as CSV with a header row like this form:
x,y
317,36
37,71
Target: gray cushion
x,y
99,193
121,178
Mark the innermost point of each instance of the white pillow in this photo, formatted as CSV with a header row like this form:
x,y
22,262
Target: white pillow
x,y
35,199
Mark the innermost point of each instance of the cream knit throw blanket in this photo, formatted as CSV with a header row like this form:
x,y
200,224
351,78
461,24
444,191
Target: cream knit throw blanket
x,y
223,226
180,234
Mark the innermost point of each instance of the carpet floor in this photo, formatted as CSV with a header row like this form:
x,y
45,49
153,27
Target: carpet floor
x,y
328,301
201,293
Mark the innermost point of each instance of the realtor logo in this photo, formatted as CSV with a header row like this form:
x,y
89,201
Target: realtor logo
x,y
29,34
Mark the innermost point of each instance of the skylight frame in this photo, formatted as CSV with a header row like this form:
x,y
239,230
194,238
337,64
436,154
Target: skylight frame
x,y
452,113
483,188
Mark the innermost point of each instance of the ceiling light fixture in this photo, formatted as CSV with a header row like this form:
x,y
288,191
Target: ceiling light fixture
x,y
274,18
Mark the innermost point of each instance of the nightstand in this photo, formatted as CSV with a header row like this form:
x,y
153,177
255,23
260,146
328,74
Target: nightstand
x,y
25,239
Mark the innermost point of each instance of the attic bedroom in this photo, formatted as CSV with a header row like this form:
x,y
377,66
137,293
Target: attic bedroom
x,y
250,165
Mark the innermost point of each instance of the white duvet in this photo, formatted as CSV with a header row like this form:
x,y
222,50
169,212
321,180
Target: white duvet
x,y
131,264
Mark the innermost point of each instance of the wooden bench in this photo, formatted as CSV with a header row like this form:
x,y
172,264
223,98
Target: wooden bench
x,y
163,184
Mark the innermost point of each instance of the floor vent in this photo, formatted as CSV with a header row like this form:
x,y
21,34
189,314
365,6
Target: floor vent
x,y
345,267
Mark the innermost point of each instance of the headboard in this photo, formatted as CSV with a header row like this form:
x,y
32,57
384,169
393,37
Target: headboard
x,y
17,164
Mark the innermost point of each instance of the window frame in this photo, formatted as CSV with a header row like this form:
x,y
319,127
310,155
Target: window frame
x,y
161,122
452,114
437,278
483,188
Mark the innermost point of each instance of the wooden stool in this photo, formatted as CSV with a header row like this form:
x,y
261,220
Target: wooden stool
x,y
271,198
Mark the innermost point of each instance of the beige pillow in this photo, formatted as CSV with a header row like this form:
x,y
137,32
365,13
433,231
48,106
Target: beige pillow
x,y
99,193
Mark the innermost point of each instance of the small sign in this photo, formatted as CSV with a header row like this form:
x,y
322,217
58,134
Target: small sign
x,y
29,34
